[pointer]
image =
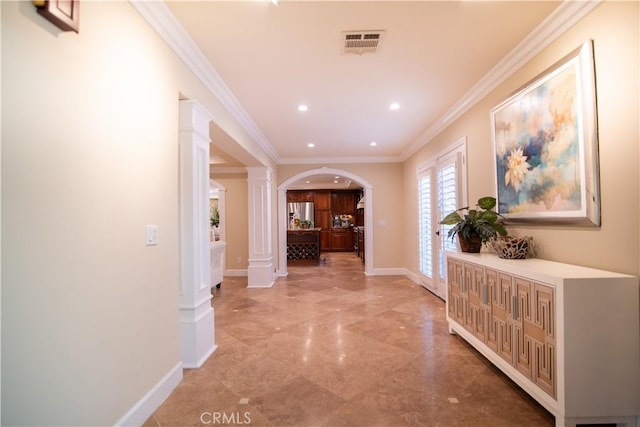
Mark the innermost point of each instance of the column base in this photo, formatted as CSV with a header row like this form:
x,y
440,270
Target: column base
x,y
197,340
261,274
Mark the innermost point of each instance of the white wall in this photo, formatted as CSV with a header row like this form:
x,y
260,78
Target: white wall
x,y
89,157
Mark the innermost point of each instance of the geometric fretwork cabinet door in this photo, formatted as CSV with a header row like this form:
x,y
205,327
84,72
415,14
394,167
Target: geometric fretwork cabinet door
x,y
455,303
544,354
568,335
474,305
501,302
523,326
511,315
534,333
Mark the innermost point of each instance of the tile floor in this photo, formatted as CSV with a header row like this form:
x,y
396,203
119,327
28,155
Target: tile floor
x,y
329,346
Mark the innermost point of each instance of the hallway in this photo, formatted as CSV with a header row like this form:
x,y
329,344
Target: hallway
x,y
329,346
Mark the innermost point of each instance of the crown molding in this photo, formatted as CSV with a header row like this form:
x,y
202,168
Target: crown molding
x,y
565,16
160,18
338,160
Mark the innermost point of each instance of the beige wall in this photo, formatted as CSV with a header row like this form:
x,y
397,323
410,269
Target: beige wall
x,y
614,246
89,157
388,205
236,220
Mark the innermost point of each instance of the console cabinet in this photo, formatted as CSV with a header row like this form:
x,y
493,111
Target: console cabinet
x,y
568,335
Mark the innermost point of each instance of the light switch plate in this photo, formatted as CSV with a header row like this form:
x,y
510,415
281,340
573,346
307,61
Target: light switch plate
x,y
151,235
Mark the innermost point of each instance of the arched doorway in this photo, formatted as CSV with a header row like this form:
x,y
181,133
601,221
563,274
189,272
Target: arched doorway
x,y
283,220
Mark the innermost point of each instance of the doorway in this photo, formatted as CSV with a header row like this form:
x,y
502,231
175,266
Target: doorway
x,y
441,189
283,215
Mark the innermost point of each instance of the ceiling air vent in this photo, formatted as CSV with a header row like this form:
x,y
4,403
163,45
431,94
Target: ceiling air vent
x,y
360,42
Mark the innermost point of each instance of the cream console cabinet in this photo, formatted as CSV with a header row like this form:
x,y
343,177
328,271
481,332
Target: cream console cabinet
x,y
568,335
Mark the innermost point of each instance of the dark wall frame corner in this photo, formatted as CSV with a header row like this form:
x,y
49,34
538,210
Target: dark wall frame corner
x,y
64,14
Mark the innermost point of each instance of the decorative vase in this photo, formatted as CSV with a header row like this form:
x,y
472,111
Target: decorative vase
x,y
473,244
510,247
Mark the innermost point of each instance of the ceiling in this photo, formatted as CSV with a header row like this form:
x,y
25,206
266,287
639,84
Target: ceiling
x,y
274,57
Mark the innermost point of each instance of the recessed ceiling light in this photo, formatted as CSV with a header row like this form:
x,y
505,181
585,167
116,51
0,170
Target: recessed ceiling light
x,y
335,181
311,145
336,177
308,182
302,107
373,143
394,106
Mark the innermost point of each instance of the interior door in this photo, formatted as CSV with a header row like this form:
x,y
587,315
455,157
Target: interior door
x,y
439,192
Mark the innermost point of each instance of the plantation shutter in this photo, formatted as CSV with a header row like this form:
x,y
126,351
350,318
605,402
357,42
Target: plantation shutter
x,y
441,185
425,221
447,202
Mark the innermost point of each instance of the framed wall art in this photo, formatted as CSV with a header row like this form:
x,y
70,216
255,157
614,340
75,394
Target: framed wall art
x,y
545,142
64,14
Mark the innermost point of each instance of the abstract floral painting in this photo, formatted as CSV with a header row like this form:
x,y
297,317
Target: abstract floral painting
x,y
546,147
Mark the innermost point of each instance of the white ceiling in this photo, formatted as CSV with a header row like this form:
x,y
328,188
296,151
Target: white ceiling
x,y
274,57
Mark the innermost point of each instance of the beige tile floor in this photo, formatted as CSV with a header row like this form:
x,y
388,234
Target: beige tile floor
x,y
329,346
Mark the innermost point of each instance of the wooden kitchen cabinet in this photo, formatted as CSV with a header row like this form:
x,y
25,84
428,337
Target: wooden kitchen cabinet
x,y
349,240
343,202
323,221
342,239
568,335
299,196
325,240
323,218
328,203
338,239
322,200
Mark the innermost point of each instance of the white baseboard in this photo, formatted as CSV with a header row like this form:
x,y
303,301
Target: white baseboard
x,y
236,273
152,400
267,286
203,358
412,276
389,272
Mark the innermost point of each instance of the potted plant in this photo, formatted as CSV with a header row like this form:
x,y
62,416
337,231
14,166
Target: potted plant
x,y
476,226
215,216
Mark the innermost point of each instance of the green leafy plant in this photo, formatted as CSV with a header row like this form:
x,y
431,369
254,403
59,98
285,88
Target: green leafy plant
x,y
215,216
482,221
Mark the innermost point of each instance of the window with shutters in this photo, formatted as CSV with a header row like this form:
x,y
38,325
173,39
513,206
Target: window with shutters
x,y
441,184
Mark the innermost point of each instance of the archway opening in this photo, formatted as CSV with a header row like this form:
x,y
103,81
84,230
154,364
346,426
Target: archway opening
x,y
283,218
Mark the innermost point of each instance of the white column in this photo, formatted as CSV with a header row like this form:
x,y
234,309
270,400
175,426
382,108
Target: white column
x,y
196,314
261,269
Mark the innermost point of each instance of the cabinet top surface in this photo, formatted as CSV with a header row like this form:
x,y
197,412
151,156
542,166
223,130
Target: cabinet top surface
x,y
549,269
